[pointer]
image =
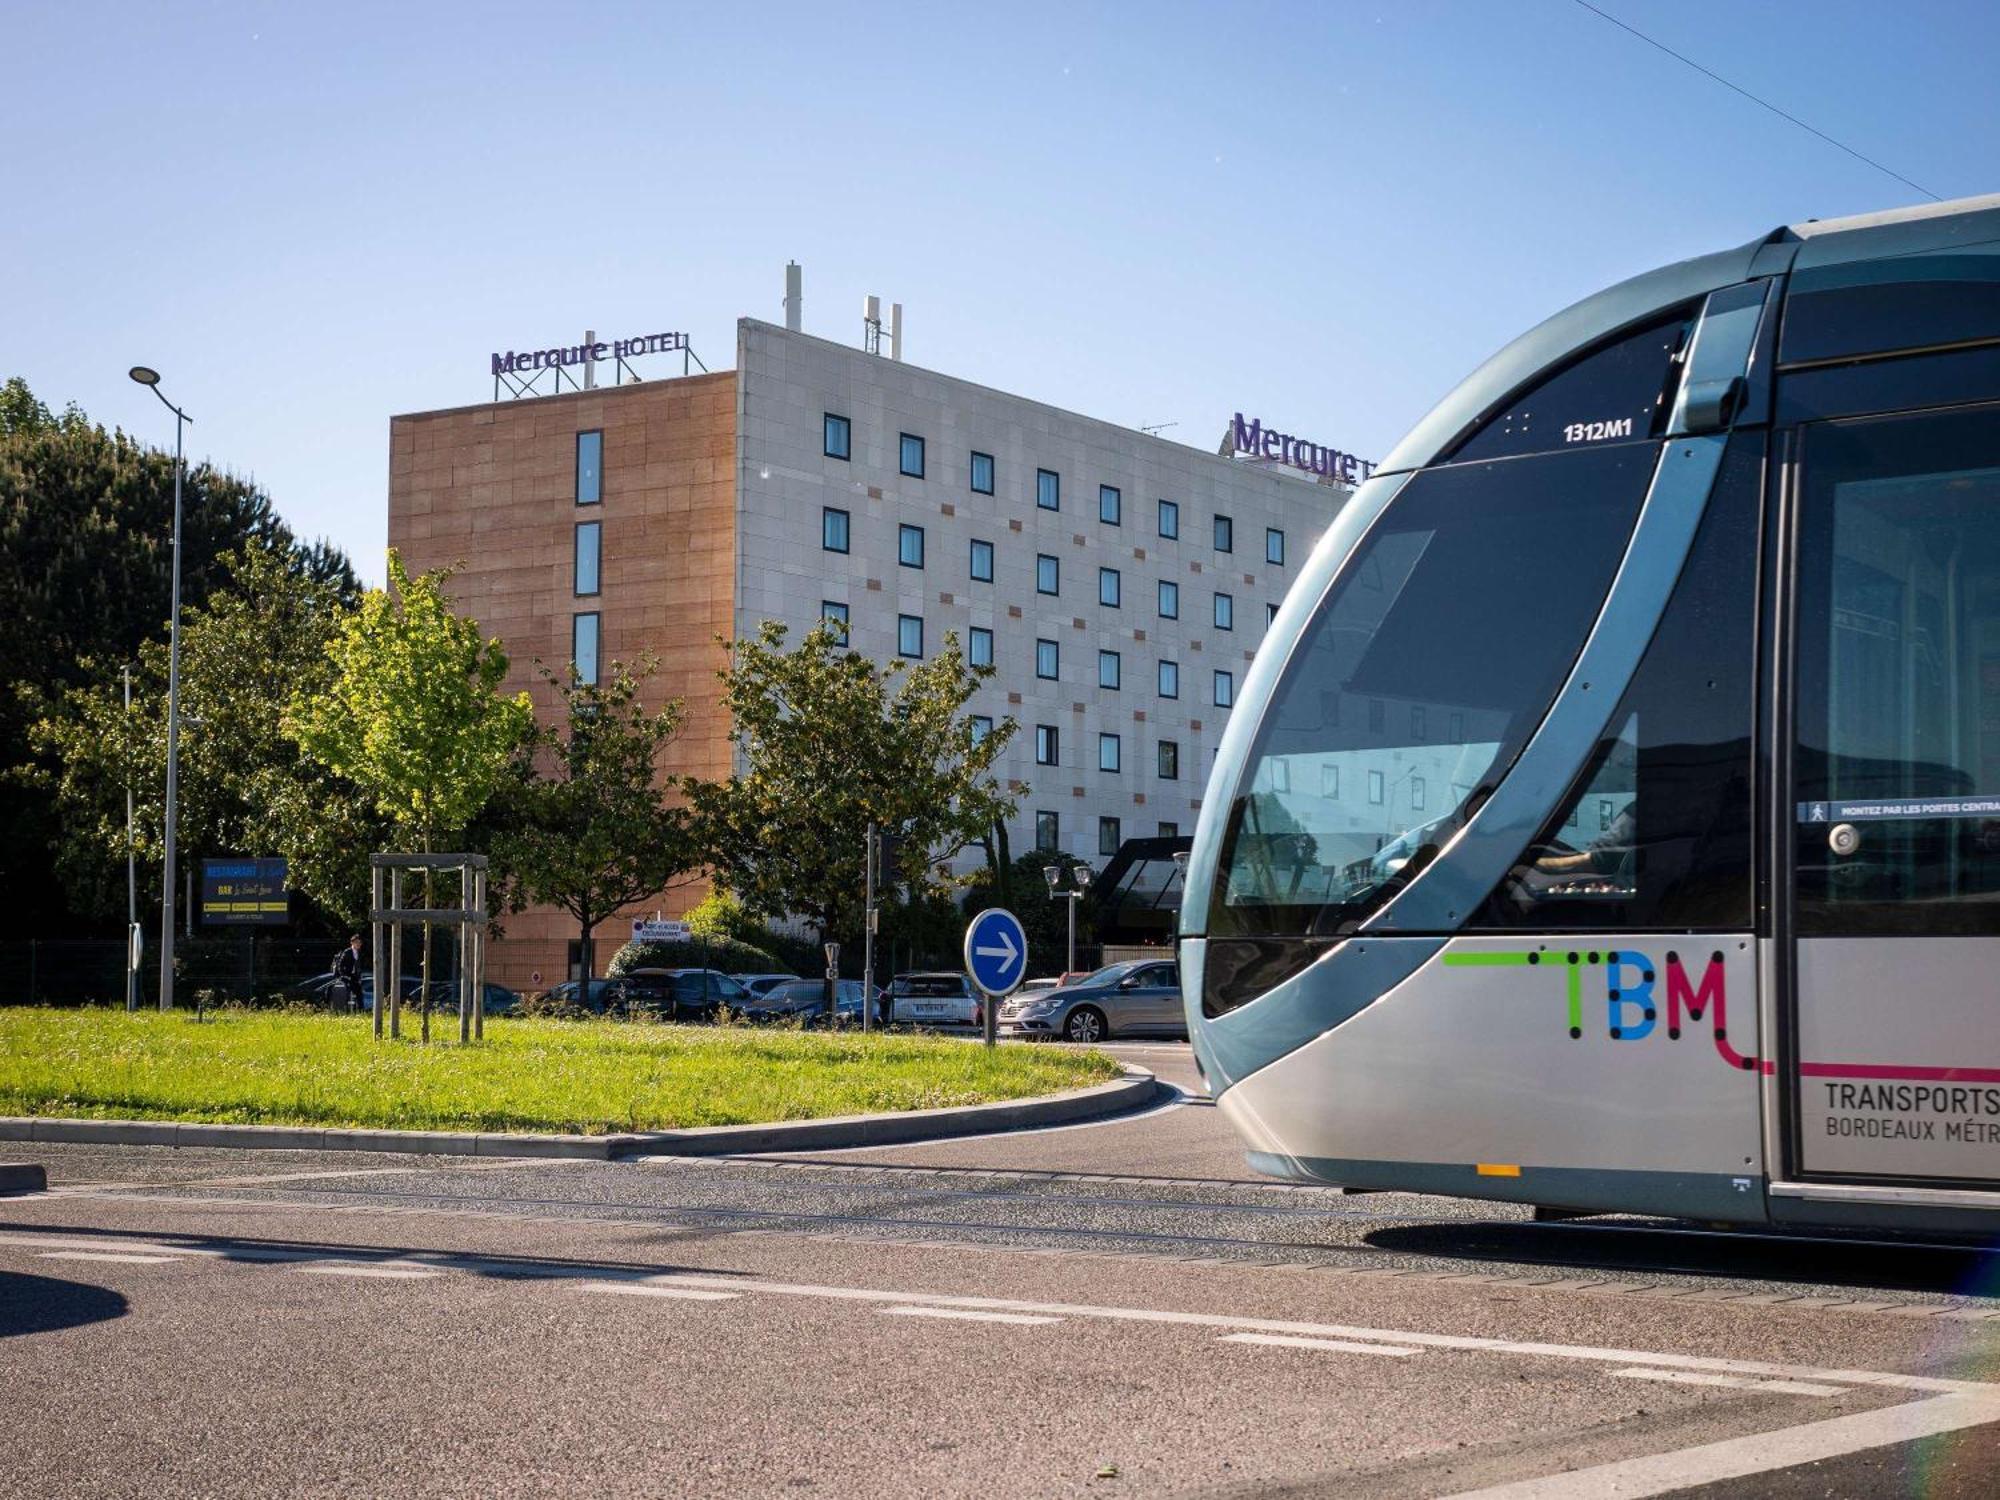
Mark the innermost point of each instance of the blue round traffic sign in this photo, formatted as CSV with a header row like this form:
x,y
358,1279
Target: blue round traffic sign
x,y
996,951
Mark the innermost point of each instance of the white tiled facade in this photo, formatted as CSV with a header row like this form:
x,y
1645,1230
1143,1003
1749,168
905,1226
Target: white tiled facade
x,y
788,383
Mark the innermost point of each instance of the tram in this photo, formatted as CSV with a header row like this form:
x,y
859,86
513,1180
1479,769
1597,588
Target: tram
x,y
1610,821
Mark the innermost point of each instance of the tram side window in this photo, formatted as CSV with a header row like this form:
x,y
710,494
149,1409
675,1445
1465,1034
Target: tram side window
x,y
1617,393
1656,831
1898,698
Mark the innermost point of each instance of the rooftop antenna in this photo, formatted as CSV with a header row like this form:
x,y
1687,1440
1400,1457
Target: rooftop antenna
x,y
871,324
794,281
1158,427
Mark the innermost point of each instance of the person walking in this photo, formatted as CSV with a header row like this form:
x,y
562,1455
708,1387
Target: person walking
x,y
347,971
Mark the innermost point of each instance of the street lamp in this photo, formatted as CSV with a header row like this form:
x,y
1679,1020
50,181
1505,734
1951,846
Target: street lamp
x,y
1081,875
150,378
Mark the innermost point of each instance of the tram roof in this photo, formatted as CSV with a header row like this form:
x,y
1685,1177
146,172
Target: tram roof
x,y
1922,228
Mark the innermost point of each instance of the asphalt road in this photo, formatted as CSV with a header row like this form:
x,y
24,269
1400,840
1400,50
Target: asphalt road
x,y
1105,1309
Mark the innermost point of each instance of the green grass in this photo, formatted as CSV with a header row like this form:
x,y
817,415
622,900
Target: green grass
x,y
582,1077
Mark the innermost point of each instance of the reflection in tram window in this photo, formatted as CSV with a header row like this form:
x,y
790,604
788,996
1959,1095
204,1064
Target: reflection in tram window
x,y
1656,829
1899,676
1451,613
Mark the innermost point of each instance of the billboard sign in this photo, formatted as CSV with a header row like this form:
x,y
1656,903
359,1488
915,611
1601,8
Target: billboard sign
x,y
244,892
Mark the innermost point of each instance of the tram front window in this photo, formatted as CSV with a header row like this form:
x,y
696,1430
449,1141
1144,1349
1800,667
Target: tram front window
x,y
1419,679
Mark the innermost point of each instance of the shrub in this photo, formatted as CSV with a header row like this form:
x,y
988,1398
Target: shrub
x,y
726,954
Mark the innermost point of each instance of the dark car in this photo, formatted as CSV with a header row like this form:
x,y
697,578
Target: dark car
x,y
681,994
804,1000
603,994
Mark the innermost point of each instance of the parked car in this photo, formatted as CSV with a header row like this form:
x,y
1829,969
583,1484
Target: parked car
x,y
1138,998
937,999
805,1000
762,984
681,994
601,996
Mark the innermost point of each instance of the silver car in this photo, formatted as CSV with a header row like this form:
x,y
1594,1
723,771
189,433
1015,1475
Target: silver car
x,y
1138,998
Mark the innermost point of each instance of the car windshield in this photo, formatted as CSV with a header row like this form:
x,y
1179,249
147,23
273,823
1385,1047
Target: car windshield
x,y
1109,974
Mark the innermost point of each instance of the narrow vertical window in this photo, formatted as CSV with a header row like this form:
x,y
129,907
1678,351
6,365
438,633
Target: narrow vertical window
x,y
839,436
1048,575
588,536
1048,831
982,474
910,546
1170,679
982,562
1225,534
1270,615
910,635
589,468
1170,600
1048,489
1170,760
1048,660
833,529
1110,669
1225,612
1416,794
979,647
1110,505
1170,520
1225,689
1108,587
1274,546
583,647
834,611
1109,836
1110,752
982,726
1048,745
911,454
1375,786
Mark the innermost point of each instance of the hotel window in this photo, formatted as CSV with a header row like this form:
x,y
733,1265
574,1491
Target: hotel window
x,y
1170,679
1110,753
910,546
1110,669
588,537
839,437
982,473
1108,587
1375,787
1170,600
1170,760
1417,725
1048,745
912,456
1048,831
1110,505
1048,575
1225,689
1270,615
1170,830
910,635
583,647
1108,836
1274,546
1048,660
1416,794
1329,781
1225,612
982,726
834,610
1048,489
589,468
979,651
833,529
982,562
1170,520
1225,534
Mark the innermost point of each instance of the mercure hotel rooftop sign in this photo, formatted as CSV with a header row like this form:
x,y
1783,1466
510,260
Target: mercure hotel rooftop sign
x,y
527,361
1258,441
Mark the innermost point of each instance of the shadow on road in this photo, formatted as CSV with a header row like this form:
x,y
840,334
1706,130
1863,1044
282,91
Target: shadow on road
x,y
1687,1250
42,1304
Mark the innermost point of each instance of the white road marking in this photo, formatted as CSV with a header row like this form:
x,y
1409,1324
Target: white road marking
x,y
1759,1453
1294,1341
378,1273
116,1257
1734,1382
965,1315
632,1289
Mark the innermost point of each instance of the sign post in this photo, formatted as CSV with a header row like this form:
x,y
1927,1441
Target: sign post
x,y
996,956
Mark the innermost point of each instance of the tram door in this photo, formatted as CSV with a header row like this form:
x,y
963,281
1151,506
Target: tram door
x,y
1895,1055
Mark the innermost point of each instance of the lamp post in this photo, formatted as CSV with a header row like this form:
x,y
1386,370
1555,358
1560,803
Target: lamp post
x,y
1080,874
131,874
151,380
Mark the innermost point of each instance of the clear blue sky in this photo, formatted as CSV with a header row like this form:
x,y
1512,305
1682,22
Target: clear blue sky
x,y
311,217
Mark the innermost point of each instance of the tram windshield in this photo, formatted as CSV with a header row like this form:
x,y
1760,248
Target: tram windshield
x,y
1418,680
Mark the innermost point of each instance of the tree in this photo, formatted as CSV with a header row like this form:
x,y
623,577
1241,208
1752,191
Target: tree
x,y
830,742
414,717
1044,918
86,558
244,788
584,825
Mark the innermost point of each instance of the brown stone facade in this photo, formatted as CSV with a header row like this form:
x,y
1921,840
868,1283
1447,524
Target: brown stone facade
x,y
491,490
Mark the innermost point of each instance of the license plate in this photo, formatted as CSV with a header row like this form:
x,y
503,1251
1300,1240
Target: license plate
x,y
929,1010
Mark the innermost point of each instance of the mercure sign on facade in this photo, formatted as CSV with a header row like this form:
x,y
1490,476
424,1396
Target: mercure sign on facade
x,y
516,362
1258,441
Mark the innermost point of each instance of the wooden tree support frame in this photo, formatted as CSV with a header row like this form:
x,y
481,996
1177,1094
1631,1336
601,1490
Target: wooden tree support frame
x,y
386,873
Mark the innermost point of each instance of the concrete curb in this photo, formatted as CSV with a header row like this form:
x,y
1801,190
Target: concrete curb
x,y
22,1177
1135,1089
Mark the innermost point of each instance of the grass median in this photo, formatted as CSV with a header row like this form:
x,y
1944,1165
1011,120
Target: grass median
x,y
570,1077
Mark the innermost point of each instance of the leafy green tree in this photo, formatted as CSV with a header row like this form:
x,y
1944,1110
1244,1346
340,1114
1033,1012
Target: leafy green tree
x,y
1044,918
244,786
86,557
584,826
830,741
414,716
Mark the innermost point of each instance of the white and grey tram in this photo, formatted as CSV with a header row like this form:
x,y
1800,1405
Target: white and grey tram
x,y
1611,818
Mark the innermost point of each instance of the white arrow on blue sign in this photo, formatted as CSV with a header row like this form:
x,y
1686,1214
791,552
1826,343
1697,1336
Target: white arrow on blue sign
x,y
996,951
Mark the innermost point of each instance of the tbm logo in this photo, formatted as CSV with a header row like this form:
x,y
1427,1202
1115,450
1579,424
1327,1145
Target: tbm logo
x,y
1630,981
